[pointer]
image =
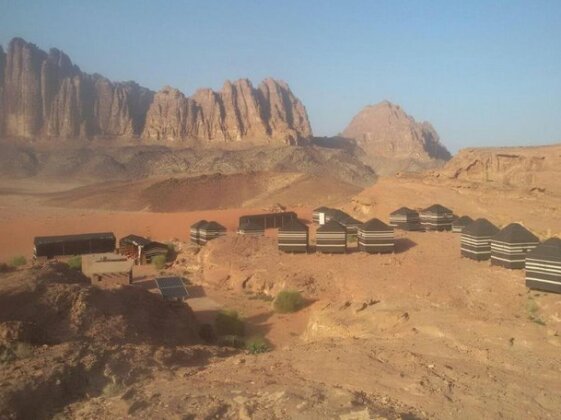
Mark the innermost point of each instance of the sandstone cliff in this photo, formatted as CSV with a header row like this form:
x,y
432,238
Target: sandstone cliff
x,y
45,95
237,112
389,137
534,168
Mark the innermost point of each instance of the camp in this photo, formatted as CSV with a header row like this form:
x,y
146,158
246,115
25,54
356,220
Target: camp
x,y
436,217
406,219
460,223
510,246
475,242
210,231
194,231
87,243
141,249
543,266
331,238
375,236
293,237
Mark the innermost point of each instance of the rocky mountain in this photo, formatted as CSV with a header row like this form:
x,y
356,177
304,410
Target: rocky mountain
x,y
45,95
239,111
391,139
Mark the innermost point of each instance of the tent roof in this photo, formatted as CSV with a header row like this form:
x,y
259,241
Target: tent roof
x,y
199,224
515,233
332,226
212,225
404,210
293,225
481,227
41,240
462,221
437,208
549,250
250,224
136,240
375,225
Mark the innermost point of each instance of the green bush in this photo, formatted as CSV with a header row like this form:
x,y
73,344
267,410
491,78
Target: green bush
x,y
228,322
18,261
75,262
159,261
288,301
257,345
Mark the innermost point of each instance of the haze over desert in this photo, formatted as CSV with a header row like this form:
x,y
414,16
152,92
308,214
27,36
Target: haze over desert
x,y
280,211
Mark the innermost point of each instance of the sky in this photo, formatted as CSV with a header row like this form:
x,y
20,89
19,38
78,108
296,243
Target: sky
x,y
484,73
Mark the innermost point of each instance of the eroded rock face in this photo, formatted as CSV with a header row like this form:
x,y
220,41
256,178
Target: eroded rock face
x,y
270,113
537,168
45,95
386,131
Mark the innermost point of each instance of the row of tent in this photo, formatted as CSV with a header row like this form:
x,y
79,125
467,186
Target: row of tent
x,y
373,236
138,248
514,247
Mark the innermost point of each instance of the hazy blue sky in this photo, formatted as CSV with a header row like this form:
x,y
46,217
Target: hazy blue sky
x,y
483,72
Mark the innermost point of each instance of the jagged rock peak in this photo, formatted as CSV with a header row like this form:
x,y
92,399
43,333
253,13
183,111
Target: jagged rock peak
x,y
386,130
238,112
46,95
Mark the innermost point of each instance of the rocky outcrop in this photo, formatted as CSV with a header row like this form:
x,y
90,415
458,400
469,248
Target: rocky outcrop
x,y
534,168
385,132
237,112
45,95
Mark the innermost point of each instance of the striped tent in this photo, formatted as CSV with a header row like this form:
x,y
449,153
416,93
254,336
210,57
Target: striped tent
x,y
460,223
510,246
194,233
476,238
293,237
375,236
319,213
543,266
210,231
436,217
406,219
251,228
331,238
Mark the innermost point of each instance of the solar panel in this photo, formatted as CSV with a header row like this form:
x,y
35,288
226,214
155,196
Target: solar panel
x,y
171,287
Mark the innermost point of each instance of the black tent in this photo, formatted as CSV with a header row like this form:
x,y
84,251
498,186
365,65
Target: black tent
x,y
406,219
194,232
510,246
543,266
210,231
331,238
476,238
141,249
293,237
436,217
249,227
375,236
86,243
460,223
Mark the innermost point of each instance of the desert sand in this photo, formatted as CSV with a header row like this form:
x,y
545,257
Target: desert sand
x,y
414,334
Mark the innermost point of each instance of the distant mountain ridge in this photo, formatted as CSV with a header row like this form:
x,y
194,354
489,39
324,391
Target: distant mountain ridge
x,y
45,95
